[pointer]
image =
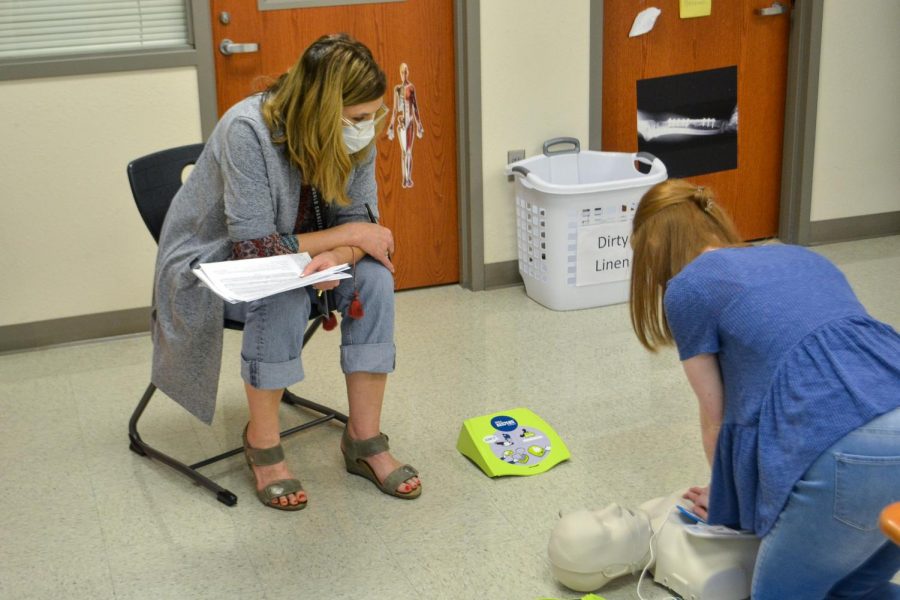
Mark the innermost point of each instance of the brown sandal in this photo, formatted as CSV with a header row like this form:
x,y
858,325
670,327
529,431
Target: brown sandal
x,y
355,451
264,457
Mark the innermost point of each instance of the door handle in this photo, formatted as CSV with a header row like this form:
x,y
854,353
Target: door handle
x,y
776,8
227,47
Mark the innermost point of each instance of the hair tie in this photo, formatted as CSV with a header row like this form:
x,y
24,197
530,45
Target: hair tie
x,y
704,201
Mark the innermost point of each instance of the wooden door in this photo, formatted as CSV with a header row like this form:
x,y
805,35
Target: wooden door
x,y
735,34
417,33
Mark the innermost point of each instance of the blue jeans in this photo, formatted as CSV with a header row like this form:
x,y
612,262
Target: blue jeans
x,y
826,542
274,327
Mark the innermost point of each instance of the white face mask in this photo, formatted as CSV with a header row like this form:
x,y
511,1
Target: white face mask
x,y
357,137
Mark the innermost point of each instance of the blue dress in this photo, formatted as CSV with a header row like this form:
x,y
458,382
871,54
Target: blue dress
x,y
802,365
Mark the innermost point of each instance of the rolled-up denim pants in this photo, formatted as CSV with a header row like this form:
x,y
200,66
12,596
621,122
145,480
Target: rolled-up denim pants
x,y
826,543
274,327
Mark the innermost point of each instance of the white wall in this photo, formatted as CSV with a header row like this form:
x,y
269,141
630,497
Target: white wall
x,y
857,152
79,247
73,242
534,86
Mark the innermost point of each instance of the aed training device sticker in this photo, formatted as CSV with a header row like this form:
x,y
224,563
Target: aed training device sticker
x,y
517,445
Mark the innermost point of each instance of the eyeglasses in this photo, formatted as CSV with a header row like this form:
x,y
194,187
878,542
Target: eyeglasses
x,y
380,114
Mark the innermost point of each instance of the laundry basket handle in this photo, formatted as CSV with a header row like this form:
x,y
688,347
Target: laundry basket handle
x,y
562,140
521,171
647,159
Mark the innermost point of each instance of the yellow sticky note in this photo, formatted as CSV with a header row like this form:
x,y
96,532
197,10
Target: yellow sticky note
x,y
689,9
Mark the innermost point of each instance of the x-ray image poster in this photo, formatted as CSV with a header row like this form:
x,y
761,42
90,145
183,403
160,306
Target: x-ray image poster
x,y
690,121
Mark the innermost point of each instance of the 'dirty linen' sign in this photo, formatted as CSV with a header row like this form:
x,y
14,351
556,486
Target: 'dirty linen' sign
x,y
604,253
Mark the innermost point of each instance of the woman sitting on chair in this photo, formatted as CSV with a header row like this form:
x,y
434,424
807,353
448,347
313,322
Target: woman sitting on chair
x,y
288,170
798,387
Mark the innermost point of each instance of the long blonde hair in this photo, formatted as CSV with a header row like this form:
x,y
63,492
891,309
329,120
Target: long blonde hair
x,y
674,223
303,109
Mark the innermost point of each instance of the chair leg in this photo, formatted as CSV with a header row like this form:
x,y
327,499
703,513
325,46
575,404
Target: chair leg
x,y
327,413
139,446
312,328
295,400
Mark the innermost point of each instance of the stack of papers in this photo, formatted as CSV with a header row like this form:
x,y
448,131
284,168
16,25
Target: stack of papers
x,y
254,278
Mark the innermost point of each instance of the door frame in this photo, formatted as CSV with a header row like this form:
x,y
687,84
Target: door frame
x,y
801,101
800,110
467,50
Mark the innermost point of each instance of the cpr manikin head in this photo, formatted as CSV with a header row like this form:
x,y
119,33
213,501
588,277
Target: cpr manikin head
x,y
590,547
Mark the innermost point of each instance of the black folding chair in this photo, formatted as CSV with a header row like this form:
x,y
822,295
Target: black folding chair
x,y
154,180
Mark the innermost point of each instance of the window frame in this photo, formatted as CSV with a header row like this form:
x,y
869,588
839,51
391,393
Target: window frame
x,y
282,4
111,62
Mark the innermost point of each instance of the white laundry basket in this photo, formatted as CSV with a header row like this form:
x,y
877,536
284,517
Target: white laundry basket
x,y
573,219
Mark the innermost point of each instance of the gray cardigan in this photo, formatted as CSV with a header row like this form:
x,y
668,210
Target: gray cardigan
x,y
242,187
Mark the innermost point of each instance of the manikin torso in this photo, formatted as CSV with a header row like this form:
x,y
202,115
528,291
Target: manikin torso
x,y
588,548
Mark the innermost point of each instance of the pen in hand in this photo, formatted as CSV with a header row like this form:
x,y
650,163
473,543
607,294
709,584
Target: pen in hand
x,y
373,220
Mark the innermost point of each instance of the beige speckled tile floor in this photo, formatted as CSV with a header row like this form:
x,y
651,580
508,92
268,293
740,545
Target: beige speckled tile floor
x,y
82,517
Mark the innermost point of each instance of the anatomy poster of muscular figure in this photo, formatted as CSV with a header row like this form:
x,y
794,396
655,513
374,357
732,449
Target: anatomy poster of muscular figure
x,y
690,121
405,123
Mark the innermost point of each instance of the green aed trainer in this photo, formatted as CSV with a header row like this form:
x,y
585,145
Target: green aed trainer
x,y
511,442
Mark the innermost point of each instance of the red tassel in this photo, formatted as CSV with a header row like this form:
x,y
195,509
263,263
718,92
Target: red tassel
x,y
356,308
329,322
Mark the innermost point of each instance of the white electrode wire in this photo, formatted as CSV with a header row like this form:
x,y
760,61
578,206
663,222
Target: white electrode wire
x,y
650,562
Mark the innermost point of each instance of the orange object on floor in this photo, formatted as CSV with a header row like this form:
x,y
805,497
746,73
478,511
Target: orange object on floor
x,y
890,522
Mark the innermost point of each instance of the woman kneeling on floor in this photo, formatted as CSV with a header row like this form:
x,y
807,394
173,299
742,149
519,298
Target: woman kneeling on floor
x,y
798,387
